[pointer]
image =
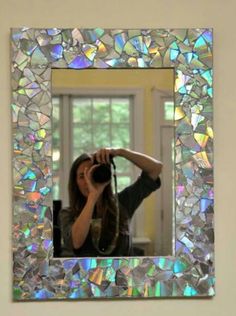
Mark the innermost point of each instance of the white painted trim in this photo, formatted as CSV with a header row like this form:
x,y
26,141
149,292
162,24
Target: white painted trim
x,y
138,137
66,148
158,96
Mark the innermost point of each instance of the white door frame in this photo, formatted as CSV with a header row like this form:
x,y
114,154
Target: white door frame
x,y
163,244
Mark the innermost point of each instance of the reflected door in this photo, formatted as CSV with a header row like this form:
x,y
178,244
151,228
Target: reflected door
x,y
165,131
167,138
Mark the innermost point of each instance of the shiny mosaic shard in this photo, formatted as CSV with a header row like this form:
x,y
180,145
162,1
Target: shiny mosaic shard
x,y
39,276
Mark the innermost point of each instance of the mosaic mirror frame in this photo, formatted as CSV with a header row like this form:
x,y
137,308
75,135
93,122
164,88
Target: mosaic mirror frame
x,y
39,276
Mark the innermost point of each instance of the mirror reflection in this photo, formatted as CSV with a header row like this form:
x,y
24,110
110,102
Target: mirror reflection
x,y
124,117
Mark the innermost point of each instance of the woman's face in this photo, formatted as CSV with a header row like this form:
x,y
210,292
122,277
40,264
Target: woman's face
x,y
80,180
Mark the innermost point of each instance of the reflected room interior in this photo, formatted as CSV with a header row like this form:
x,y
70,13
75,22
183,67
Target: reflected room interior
x,y
117,108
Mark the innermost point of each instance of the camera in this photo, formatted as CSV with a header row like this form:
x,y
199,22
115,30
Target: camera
x,y
102,173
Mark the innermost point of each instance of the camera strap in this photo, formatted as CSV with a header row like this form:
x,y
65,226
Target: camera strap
x,y
113,243
116,198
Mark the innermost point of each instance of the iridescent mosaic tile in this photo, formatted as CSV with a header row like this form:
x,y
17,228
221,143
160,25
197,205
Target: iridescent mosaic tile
x,y
39,276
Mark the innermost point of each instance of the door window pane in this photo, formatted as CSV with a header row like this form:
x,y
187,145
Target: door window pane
x,y
169,110
56,146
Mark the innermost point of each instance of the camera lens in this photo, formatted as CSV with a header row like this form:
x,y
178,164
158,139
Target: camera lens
x,y
102,173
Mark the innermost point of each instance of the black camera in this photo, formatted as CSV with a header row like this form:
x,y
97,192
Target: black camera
x,y
102,173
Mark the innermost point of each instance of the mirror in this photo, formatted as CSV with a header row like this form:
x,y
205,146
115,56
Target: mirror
x,y
117,108
189,271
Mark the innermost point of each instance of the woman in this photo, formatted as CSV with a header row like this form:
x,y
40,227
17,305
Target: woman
x,y
97,222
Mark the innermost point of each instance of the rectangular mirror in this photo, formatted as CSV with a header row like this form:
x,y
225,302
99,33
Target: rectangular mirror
x,y
188,270
131,108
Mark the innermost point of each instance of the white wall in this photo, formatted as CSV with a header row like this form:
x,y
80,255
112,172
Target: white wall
x,y
134,14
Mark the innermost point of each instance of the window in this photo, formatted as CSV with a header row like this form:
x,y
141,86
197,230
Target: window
x,y
85,123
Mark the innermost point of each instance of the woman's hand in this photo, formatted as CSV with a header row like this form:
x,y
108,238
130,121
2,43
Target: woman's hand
x,y
146,163
80,227
104,155
95,189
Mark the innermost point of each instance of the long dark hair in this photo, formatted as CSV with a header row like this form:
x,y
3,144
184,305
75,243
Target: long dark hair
x,y
76,198
77,202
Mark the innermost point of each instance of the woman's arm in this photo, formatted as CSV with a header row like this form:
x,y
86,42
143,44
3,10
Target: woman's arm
x,y
80,228
146,163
